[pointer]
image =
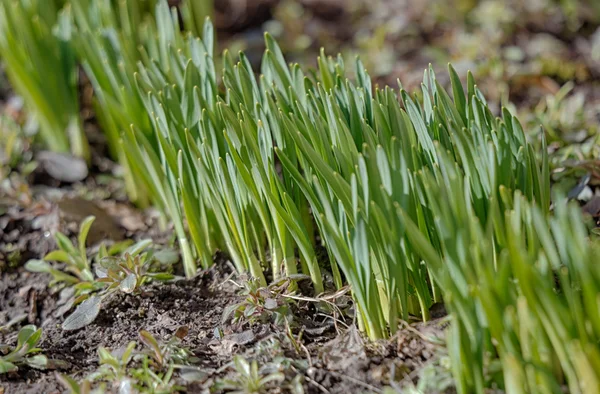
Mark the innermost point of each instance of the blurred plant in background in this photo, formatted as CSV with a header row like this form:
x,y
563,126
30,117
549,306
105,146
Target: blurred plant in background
x,y
527,46
34,37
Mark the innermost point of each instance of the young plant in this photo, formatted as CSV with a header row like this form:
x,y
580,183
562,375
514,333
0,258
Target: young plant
x,y
123,267
83,387
110,40
247,378
262,303
77,271
227,182
149,371
165,354
127,273
25,353
34,36
160,360
113,368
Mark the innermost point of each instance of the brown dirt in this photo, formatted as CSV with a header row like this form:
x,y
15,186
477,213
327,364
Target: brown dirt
x,y
329,362
161,309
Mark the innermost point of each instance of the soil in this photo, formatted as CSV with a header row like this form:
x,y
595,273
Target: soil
x,y
334,362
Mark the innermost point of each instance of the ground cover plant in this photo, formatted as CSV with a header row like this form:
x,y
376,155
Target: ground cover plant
x,y
416,198
123,267
149,370
24,352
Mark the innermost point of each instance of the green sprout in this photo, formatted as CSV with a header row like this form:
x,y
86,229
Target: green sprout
x,y
26,352
248,378
77,269
129,371
129,272
83,387
163,354
262,303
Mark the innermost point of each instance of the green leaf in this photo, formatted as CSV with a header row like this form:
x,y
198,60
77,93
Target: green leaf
x,y
161,276
65,244
167,257
109,263
105,357
38,266
128,353
28,335
241,365
6,366
38,361
150,341
119,247
128,284
138,247
84,229
84,314
70,383
58,255
458,93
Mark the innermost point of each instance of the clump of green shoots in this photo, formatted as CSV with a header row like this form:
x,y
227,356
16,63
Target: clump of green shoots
x,y
217,168
110,40
372,165
380,171
34,37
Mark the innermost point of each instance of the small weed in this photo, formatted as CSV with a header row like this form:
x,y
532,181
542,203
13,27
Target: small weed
x,y
83,387
123,267
262,304
150,370
169,352
129,272
277,361
77,269
26,352
434,377
248,378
